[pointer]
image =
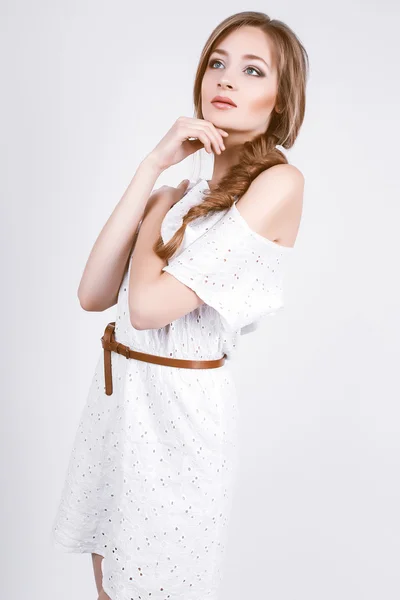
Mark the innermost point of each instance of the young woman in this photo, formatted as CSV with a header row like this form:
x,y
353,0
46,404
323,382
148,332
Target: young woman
x,y
148,489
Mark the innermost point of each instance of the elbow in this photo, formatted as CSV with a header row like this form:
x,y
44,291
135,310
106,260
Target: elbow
x,y
136,322
141,319
84,301
89,305
137,317
85,304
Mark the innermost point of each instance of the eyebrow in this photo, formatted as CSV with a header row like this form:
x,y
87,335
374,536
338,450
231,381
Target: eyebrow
x,y
250,56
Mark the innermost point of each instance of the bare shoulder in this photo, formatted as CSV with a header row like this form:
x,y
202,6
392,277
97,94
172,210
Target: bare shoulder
x,y
273,203
280,179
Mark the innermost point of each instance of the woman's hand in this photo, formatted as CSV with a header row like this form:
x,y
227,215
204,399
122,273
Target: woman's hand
x,y
175,146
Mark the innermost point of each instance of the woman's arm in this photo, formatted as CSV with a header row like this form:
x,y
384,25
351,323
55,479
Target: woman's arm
x,y
146,267
105,267
271,207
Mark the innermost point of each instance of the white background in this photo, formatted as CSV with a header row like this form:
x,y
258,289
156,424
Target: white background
x,y
88,89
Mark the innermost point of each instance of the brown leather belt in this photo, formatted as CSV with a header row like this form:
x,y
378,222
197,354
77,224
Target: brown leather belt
x,y
110,345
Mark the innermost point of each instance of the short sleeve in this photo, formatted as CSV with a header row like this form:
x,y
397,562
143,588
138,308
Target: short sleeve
x,y
235,270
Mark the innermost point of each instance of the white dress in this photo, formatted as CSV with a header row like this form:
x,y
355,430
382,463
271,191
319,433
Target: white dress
x,y
150,476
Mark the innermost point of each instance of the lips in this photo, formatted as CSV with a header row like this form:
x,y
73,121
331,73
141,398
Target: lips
x,y
223,100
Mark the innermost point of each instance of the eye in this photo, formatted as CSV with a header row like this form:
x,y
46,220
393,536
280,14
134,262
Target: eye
x,y
214,61
256,70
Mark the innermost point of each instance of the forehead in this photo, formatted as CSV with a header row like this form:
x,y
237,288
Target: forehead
x,y
248,40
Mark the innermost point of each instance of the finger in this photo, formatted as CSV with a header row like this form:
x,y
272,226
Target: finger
x,y
216,136
202,135
205,134
183,184
213,136
217,132
212,141
182,187
219,135
194,121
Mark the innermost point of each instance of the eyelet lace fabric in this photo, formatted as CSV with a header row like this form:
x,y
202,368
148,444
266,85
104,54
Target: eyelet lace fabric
x,y
150,477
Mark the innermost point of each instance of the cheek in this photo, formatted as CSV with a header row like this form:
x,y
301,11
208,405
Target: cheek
x,y
205,90
262,103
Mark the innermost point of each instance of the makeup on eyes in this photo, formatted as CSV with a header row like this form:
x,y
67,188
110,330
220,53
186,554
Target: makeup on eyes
x,y
258,71
244,57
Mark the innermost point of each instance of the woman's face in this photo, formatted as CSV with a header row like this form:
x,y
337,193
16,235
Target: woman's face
x,y
249,82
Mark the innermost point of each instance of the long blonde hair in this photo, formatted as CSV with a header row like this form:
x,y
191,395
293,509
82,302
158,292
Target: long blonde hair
x,y
260,153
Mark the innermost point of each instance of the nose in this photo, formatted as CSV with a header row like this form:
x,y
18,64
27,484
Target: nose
x,y
225,84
